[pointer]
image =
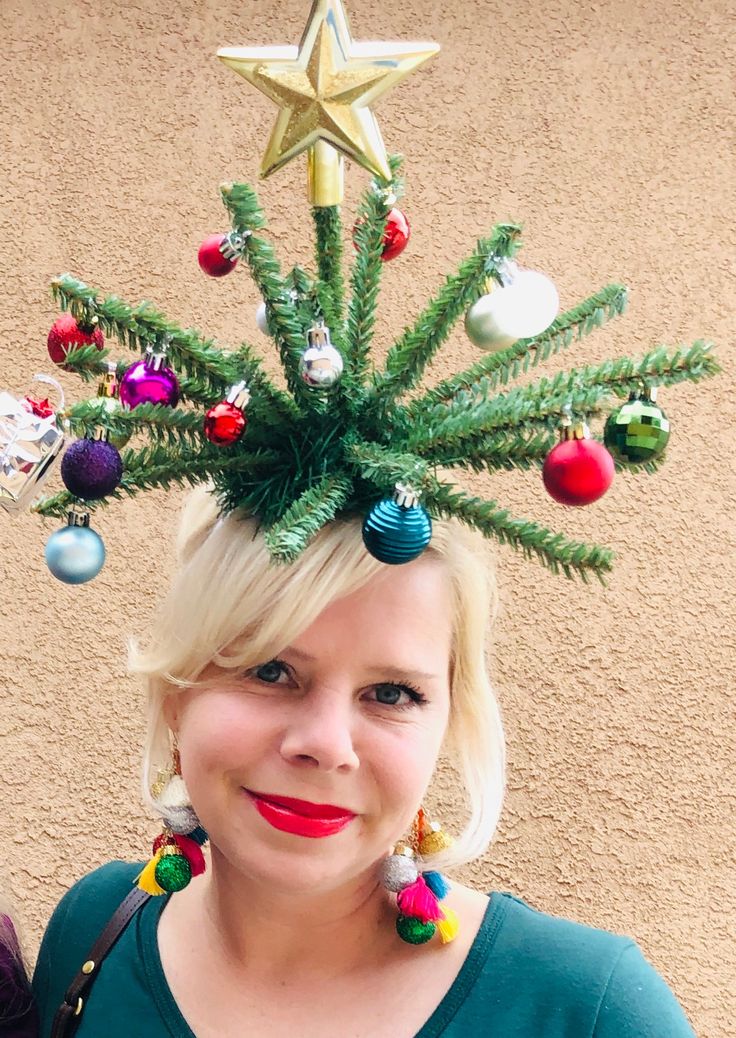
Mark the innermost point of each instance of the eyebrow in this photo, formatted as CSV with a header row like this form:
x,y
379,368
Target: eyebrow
x,y
388,670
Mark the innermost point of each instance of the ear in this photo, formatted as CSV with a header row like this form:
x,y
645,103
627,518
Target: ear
x,y
170,711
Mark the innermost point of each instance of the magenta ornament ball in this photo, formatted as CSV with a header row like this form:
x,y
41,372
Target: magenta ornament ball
x,y
144,384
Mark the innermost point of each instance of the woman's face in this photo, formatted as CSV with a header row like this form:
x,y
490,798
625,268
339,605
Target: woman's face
x,y
348,720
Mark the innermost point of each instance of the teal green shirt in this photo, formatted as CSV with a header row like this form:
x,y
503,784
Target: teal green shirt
x,y
527,975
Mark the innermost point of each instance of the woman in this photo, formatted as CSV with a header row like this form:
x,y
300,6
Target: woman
x,y
305,707
18,1017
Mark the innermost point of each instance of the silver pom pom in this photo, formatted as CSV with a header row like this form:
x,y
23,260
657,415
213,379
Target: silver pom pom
x,y
397,872
181,820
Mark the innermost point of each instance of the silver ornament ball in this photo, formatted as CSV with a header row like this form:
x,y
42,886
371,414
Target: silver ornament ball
x,y
321,366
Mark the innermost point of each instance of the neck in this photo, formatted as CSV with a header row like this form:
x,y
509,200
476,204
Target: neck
x,y
306,936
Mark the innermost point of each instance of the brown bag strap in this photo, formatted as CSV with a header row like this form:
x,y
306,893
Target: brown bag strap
x,y
68,1014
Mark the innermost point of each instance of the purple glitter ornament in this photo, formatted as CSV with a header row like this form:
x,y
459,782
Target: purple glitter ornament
x,y
91,469
149,381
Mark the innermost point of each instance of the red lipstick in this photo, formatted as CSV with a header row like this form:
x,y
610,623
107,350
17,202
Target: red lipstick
x,y
300,817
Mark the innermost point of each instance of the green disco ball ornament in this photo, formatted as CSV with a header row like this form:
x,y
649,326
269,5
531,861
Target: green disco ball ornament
x,y
173,873
397,529
414,931
638,431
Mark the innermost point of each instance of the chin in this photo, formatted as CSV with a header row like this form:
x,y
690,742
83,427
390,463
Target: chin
x,y
295,865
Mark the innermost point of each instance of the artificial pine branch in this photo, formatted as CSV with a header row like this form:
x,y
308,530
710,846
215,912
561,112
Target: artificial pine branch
x,y
469,414
306,516
553,550
507,364
143,325
365,282
179,427
154,467
247,217
328,239
407,360
384,467
490,452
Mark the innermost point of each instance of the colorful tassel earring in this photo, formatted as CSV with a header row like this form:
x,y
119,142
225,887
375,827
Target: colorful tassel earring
x,y
176,855
418,893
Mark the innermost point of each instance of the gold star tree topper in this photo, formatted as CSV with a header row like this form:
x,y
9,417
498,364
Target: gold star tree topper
x,y
324,88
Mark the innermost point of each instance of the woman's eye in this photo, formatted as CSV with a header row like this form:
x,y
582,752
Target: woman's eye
x,y
398,695
270,672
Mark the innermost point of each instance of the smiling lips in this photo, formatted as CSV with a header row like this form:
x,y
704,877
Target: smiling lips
x,y
300,817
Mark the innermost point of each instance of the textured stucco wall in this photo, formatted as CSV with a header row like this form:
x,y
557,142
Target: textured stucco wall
x,y
607,129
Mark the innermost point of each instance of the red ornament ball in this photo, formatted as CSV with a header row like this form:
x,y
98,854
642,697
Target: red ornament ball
x,y
211,260
66,336
224,424
578,472
396,235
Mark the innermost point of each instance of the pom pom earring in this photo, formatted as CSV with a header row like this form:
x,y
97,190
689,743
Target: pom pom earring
x,y
176,854
419,892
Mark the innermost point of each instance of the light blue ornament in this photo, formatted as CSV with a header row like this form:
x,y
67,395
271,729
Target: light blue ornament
x,y
75,554
397,529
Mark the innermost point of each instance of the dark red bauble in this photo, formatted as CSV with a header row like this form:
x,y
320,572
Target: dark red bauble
x,y
224,424
211,260
396,235
578,472
91,469
66,336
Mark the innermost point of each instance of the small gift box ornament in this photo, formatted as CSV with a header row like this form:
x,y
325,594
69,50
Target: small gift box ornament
x,y
30,439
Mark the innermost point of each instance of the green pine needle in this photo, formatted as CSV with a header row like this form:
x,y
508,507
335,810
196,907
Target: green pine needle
x,y
318,505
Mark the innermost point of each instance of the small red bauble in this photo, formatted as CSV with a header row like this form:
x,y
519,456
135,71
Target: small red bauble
x,y
396,235
578,471
224,424
66,336
211,260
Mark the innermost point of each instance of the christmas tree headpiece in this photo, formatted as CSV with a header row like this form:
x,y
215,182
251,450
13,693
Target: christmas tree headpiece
x,y
342,434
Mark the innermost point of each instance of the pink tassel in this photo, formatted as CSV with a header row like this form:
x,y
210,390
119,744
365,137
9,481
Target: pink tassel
x,y
192,852
419,901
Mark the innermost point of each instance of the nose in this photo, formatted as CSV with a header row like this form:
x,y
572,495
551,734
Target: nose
x,y
319,732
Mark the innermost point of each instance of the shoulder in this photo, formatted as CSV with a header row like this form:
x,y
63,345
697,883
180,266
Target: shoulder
x,y
602,971
76,923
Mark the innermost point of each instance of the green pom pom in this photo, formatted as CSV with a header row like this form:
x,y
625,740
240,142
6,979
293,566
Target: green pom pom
x,y
173,873
414,931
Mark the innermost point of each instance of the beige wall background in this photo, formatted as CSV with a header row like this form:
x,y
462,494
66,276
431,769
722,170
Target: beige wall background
x,y
606,128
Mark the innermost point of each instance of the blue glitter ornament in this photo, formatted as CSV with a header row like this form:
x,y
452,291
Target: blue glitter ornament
x,y
397,529
75,554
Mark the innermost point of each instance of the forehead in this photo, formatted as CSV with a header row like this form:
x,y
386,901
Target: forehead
x,y
401,613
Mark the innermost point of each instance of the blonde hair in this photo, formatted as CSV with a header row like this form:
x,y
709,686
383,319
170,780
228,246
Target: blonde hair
x,y
230,605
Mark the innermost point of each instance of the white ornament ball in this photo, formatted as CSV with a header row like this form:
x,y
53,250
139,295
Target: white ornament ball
x,y
321,366
261,319
481,326
524,308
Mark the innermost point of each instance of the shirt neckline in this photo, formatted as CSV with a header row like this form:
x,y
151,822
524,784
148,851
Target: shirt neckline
x,y
433,1027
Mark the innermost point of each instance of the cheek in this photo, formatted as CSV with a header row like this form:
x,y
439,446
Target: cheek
x,y
220,730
